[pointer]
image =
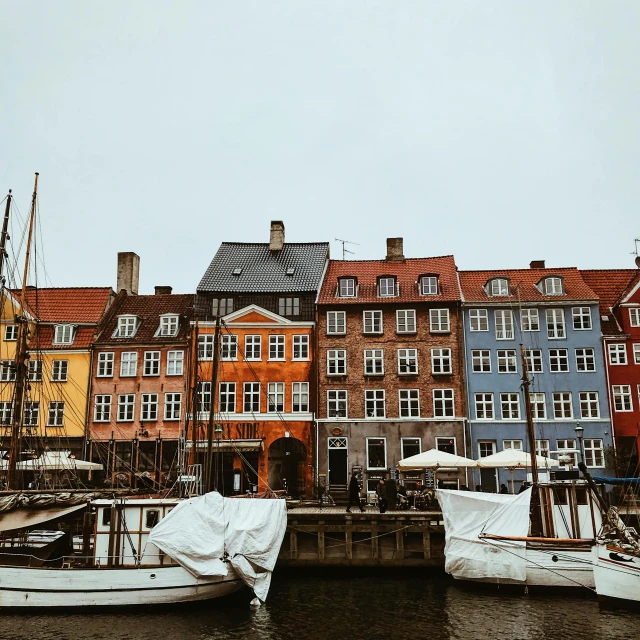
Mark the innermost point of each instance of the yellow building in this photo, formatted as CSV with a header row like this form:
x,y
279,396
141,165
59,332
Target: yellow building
x,y
62,324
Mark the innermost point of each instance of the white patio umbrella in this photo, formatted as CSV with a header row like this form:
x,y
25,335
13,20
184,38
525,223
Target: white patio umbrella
x,y
513,459
435,459
58,461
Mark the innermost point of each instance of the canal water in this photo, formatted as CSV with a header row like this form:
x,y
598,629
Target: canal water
x,y
390,606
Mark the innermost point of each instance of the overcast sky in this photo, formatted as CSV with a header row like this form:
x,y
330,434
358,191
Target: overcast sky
x,y
497,131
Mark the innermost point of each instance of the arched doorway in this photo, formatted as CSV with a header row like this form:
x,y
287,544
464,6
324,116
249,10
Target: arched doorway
x,y
287,465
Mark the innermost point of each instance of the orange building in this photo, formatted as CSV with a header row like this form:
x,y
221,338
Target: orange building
x,y
262,405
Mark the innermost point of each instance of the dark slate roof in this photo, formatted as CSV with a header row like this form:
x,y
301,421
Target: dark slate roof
x,y
265,271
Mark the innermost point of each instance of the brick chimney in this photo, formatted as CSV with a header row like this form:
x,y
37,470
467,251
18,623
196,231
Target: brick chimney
x,y
128,272
394,250
163,291
276,238
536,264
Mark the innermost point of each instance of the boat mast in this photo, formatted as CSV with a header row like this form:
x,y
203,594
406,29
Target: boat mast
x,y
20,362
4,236
214,380
536,514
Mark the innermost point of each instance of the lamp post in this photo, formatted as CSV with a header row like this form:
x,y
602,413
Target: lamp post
x,y
579,433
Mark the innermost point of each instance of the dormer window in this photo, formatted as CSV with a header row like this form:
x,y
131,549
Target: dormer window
x,y
64,334
499,287
347,287
429,285
386,287
127,326
553,286
168,325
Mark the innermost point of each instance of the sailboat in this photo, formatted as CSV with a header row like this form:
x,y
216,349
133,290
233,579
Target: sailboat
x,y
133,550
542,537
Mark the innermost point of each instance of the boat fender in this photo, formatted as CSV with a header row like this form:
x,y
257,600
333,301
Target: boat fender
x,y
256,602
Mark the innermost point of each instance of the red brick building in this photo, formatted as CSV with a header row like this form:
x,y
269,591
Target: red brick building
x,y
390,365
139,386
619,293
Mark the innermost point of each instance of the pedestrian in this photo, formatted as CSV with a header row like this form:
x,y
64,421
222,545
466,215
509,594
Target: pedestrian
x,y
381,492
503,488
354,492
524,487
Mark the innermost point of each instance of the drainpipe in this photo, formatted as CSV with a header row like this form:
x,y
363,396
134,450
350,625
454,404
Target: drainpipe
x,y
467,423
606,372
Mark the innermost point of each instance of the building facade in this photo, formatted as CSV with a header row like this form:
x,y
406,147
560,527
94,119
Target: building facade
x,y
619,293
390,367
552,315
264,402
139,385
61,322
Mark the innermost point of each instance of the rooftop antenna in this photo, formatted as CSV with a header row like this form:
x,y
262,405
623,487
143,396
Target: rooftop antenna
x,y
636,253
344,249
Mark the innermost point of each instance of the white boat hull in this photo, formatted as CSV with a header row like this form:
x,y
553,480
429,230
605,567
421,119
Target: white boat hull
x,y
108,587
617,574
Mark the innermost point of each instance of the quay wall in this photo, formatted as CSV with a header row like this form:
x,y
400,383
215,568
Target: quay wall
x,y
329,537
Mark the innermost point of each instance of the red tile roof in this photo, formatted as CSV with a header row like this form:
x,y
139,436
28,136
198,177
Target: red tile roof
x,y
44,339
407,273
69,304
610,285
576,288
148,309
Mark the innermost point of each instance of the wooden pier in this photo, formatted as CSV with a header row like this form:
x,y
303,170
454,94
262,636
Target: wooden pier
x,y
329,537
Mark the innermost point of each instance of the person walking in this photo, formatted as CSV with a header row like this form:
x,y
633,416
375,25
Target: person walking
x,y
354,493
381,492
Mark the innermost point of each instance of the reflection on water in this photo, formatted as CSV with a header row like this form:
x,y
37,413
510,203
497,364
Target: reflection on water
x,y
385,606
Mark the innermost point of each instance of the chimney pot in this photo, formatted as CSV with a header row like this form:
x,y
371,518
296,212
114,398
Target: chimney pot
x,y
536,264
128,272
394,250
276,237
163,291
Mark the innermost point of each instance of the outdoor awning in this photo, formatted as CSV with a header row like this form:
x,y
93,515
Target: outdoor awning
x,y
229,445
434,459
21,518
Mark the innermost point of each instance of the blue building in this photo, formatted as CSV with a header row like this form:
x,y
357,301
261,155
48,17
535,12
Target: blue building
x,y
552,316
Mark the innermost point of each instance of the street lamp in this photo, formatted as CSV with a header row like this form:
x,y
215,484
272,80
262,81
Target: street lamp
x,y
579,433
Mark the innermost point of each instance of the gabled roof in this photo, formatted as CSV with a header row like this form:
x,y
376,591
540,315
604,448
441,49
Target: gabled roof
x,y
254,313
148,309
611,285
523,283
407,273
67,304
265,271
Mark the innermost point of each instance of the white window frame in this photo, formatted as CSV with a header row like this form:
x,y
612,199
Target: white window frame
x,y
336,323
387,284
175,363
559,358
617,353
34,370
64,333
564,398
499,287
406,321
151,363
301,344
529,320
7,371
128,364
589,400
337,357
508,445
581,318
105,364
275,397
441,356
300,390
347,287
622,392
636,353
10,332
484,406
510,401
227,397
480,357
253,346
584,359
431,288
229,347
172,401
204,397
374,362
553,286
409,403
169,325
410,357
372,322
538,401
277,348
55,414
334,398
439,321
508,359
504,324
534,360
634,316
441,398
149,407
556,330
486,448
542,448
59,370
478,320
126,401
102,406
593,453
251,393
127,326
205,347
375,396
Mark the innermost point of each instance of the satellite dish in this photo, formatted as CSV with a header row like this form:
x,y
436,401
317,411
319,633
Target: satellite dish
x,y
638,262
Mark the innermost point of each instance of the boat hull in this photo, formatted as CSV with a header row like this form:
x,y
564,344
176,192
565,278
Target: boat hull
x,y
109,587
617,575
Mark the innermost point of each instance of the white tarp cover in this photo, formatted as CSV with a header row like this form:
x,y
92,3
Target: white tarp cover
x,y
466,515
200,532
